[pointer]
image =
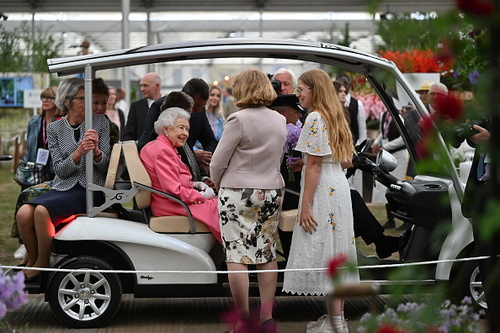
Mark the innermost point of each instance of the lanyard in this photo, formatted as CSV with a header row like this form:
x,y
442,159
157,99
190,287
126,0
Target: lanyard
x,y
44,133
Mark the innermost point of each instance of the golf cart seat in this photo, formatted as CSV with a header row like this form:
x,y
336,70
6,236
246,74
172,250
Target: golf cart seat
x,y
140,178
287,219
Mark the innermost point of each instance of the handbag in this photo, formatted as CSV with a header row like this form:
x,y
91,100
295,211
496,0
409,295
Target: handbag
x,y
29,174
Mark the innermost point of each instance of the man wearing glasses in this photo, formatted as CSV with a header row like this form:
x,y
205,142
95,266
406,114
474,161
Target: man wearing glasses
x,y
436,90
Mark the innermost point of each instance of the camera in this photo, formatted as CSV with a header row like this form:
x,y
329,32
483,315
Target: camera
x,y
466,130
276,85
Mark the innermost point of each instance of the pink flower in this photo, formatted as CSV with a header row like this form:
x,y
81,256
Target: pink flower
x,y
374,107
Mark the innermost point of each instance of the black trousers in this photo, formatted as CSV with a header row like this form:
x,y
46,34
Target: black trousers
x,y
366,225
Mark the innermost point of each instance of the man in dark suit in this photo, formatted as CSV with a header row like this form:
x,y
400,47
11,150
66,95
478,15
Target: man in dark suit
x,y
199,129
478,194
151,90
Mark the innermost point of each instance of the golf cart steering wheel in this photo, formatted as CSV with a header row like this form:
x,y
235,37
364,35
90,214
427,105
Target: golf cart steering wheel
x,y
362,148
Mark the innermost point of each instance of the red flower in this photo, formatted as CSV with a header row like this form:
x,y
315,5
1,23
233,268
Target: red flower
x,y
426,124
448,107
421,150
334,264
476,7
417,61
386,328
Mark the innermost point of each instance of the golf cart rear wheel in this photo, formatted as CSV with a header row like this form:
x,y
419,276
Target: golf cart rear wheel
x,y
85,299
469,284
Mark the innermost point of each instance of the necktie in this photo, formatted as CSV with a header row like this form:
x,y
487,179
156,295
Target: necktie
x,y
480,167
193,163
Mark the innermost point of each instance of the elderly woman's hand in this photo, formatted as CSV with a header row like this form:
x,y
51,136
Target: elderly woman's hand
x,y
90,141
92,136
210,183
204,189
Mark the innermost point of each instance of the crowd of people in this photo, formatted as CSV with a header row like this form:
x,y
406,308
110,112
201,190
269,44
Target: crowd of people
x,y
229,167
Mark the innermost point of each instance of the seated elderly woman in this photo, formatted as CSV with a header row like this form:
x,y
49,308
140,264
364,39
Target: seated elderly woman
x,y
69,141
170,175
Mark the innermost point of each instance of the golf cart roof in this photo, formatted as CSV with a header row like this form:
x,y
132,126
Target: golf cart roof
x,y
222,48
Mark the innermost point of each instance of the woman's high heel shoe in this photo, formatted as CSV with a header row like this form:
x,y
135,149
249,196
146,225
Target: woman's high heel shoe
x,y
34,280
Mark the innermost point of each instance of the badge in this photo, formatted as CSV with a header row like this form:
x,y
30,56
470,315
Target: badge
x,y
42,156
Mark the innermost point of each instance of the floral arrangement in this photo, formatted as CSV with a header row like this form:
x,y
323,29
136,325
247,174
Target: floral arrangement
x,y
293,133
12,292
362,90
414,317
418,61
374,108
469,64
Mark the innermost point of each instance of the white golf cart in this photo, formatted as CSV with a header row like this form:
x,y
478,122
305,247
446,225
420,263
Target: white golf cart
x,y
87,296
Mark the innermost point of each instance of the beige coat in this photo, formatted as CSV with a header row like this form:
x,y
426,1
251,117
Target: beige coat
x,y
250,150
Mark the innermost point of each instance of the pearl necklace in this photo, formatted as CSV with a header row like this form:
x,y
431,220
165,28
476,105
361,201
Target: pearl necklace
x,y
72,126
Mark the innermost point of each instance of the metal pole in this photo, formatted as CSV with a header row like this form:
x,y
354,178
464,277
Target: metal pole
x,y
32,42
149,37
89,157
126,45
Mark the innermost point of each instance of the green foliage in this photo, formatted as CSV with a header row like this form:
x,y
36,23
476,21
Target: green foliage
x,y
21,52
8,197
346,40
413,33
468,45
44,47
11,54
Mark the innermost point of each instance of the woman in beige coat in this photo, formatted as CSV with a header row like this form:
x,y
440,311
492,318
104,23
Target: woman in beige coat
x,y
246,168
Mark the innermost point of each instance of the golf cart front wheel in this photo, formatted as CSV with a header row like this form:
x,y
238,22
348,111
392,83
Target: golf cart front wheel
x,y
84,299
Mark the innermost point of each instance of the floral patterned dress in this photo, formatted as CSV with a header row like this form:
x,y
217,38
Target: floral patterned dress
x,y
249,223
332,209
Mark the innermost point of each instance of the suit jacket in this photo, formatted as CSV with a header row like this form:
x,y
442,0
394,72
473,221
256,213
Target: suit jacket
x,y
136,120
199,129
250,151
148,133
477,193
62,144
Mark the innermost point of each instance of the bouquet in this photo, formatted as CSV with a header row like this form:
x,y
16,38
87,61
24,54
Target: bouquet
x,y
293,133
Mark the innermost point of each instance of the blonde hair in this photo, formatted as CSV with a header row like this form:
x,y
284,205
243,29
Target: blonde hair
x,y
325,101
50,92
218,109
252,88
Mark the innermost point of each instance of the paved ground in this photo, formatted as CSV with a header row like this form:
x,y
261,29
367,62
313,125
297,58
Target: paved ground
x,y
180,315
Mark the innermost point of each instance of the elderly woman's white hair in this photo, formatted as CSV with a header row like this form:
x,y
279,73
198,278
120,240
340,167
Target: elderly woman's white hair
x,y
168,117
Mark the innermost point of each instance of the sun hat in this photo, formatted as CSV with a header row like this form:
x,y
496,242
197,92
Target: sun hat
x,y
425,86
